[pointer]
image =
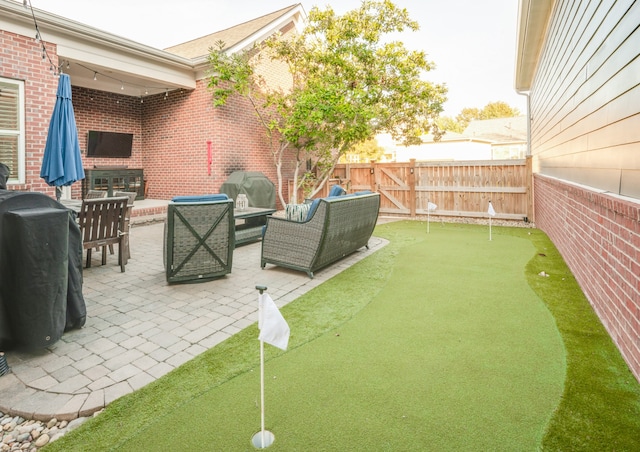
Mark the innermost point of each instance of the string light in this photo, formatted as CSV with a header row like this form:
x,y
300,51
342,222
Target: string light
x,y
45,55
57,69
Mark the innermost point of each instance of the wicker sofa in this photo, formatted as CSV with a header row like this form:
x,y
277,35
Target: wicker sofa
x,y
337,226
199,238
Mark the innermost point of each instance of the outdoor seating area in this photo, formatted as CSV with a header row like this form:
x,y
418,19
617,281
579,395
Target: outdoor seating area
x,y
335,227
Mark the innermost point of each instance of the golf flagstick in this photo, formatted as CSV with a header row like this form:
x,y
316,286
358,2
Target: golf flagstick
x,y
274,330
263,438
491,213
430,206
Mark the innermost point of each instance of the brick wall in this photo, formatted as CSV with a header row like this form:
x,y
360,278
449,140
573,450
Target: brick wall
x,y
170,132
176,130
102,111
21,59
171,135
599,237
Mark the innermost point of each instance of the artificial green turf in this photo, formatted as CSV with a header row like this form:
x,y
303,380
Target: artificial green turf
x,y
436,342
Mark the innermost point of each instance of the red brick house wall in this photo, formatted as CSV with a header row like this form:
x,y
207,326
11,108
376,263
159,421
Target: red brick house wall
x,y
103,111
176,132
170,132
599,237
22,60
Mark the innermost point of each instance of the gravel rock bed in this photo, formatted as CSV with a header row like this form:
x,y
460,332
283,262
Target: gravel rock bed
x,y
19,434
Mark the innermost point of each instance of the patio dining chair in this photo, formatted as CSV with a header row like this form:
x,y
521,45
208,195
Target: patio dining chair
x,y
131,195
102,224
96,194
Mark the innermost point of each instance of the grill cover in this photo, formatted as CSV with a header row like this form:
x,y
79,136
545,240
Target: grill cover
x,y
20,218
35,263
259,189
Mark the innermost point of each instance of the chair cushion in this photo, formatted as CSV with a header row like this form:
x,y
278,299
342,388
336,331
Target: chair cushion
x,y
312,209
201,198
337,190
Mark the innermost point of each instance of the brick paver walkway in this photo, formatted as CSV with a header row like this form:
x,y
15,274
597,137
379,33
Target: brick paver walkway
x,y
139,328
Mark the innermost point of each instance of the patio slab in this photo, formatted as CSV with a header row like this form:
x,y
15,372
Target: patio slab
x,y
139,328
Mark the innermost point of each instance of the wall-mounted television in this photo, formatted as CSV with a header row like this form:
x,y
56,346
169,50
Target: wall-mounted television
x,y
109,144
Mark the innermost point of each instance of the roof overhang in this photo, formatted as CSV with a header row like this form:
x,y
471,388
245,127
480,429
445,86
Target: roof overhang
x,y
533,19
295,15
99,60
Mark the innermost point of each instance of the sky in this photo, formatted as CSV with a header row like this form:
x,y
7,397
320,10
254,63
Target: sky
x,y
471,42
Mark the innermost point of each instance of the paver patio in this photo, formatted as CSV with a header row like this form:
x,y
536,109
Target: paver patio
x,y
139,328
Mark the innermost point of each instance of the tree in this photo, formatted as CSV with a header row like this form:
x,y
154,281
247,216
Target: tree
x,y
450,124
498,110
346,86
492,110
365,151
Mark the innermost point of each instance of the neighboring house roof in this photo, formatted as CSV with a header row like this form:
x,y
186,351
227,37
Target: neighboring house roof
x,y
499,130
491,131
240,35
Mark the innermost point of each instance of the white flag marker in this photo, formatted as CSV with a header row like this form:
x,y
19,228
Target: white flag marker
x,y
430,206
274,330
492,213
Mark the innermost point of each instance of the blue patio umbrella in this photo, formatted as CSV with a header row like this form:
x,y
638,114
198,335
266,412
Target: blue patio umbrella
x,y
62,162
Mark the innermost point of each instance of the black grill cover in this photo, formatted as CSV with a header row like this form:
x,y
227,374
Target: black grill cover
x,y
259,189
40,247
35,261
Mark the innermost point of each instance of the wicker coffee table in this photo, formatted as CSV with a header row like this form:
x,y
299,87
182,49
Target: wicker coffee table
x,y
249,223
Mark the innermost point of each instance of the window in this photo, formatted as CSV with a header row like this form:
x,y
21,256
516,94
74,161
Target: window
x,y
12,140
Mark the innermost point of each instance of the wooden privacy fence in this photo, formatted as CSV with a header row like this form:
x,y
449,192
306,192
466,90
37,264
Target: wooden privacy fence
x,y
458,189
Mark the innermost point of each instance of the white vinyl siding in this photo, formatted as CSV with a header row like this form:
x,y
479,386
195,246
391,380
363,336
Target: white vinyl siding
x,y
585,97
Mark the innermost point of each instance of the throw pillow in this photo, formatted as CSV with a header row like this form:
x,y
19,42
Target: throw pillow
x,y
297,212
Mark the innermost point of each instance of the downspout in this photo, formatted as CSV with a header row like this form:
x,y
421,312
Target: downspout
x,y
526,94
531,214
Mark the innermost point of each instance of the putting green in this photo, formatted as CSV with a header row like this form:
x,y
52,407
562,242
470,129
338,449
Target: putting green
x,y
456,352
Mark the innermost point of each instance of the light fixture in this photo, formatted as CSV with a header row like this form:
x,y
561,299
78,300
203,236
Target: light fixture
x,y
95,76
122,87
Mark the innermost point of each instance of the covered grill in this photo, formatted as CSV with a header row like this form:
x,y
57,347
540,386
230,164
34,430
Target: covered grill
x,y
259,189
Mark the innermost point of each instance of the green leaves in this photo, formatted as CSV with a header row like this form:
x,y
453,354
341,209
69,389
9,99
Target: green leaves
x,y
347,84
